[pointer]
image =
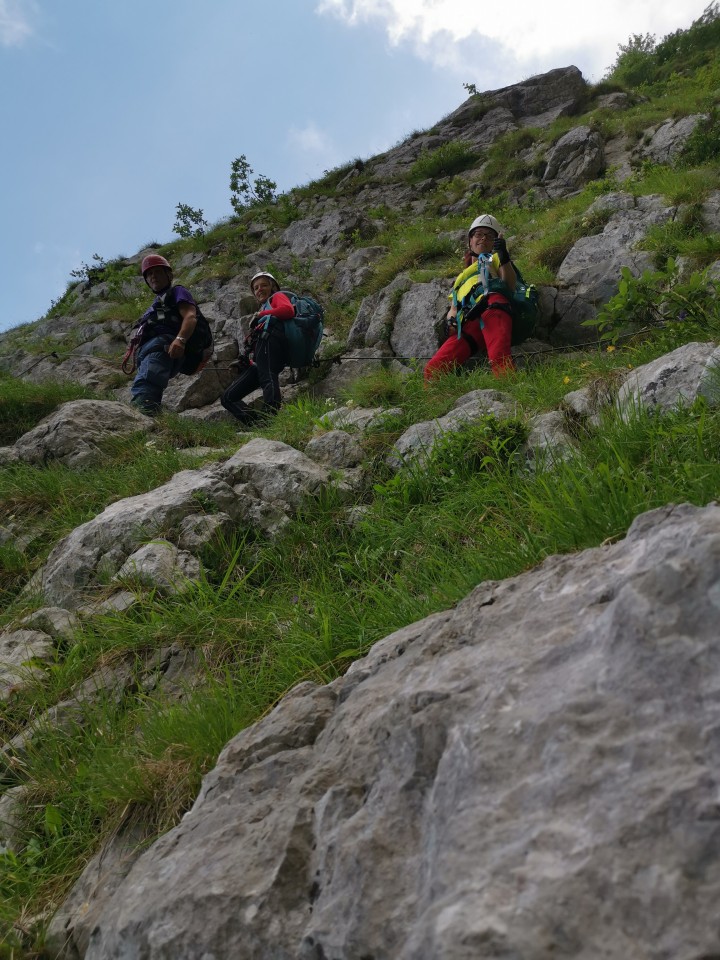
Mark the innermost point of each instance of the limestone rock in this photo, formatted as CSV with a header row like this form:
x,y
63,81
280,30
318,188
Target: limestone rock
x,y
204,388
259,485
328,234
511,778
416,444
709,386
592,267
68,935
54,621
356,270
162,566
549,440
414,330
671,380
76,432
18,650
358,418
11,810
576,158
668,140
276,470
711,212
335,449
376,315
104,543
201,528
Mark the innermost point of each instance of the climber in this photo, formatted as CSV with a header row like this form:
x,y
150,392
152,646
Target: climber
x,y
162,334
488,325
266,343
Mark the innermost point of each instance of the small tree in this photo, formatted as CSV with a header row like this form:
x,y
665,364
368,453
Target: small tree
x,y
635,61
243,193
188,221
92,273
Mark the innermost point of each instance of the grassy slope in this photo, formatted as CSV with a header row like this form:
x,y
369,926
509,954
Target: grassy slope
x,y
269,615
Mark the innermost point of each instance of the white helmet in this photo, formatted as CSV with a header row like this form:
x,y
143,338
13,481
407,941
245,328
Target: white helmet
x,y
263,273
485,220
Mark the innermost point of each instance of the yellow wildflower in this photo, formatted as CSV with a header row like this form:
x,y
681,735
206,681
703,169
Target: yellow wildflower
x,y
610,348
566,379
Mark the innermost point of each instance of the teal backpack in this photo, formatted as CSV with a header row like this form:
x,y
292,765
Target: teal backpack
x,y
304,332
525,305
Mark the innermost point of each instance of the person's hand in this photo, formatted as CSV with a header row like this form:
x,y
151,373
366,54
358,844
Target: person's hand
x,y
500,248
176,349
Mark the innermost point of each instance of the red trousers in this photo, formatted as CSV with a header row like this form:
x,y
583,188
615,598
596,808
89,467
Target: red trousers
x,y
495,336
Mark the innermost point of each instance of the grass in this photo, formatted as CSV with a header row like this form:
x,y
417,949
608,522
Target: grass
x,y
268,614
448,159
24,405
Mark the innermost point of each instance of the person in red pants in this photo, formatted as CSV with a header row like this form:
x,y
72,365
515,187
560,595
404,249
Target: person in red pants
x,y
488,326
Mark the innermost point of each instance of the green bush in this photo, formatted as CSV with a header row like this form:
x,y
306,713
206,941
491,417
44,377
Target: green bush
x,y
703,144
450,158
659,298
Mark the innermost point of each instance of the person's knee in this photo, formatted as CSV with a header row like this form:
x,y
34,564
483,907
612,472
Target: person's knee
x,y
433,369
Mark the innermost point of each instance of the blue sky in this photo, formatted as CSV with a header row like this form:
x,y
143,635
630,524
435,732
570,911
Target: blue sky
x,y
113,113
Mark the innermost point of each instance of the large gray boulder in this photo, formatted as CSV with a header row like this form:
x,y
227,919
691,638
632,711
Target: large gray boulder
x,y
673,380
531,774
78,433
576,158
258,487
670,138
592,267
414,332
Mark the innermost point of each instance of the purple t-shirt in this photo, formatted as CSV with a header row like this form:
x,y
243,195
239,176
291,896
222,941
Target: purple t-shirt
x,y
163,318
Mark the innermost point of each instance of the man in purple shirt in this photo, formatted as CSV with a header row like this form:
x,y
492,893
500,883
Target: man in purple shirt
x,y
164,332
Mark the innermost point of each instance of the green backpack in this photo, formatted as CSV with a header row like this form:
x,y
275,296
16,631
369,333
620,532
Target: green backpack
x,y
304,332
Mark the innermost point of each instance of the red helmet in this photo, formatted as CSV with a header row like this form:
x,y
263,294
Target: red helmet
x,y
154,260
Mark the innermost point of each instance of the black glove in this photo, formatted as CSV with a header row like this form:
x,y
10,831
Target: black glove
x,y
500,248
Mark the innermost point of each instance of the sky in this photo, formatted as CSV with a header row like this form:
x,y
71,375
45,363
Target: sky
x,y
111,114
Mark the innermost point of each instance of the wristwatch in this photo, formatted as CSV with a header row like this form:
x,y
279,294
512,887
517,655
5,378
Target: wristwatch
x,y
182,340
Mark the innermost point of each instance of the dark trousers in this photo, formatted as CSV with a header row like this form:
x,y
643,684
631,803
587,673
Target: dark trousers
x,y
155,369
264,373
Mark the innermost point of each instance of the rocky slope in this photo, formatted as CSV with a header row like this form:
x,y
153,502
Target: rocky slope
x,y
531,774
328,247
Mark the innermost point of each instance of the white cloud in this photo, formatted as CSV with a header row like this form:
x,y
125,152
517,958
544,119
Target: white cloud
x,y
536,36
16,22
311,139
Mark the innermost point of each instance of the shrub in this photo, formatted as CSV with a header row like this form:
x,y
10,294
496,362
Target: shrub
x,y
703,144
658,299
243,193
450,158
188,221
